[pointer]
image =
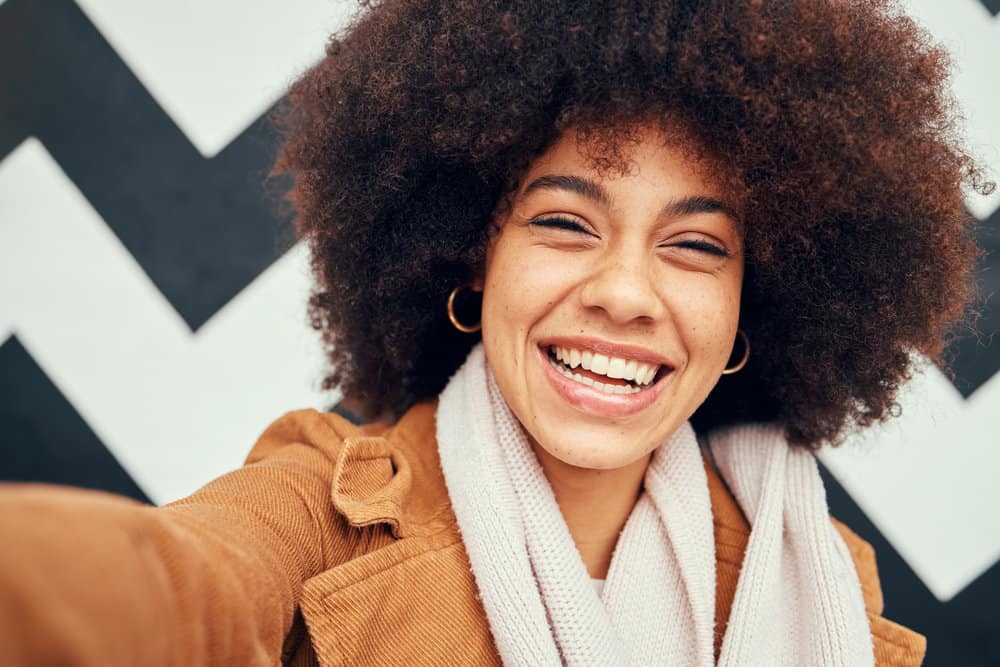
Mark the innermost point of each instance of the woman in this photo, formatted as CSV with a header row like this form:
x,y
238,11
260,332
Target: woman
x,y
707,237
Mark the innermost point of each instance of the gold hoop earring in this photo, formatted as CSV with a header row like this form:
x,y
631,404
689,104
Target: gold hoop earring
x,y
746,355
464,328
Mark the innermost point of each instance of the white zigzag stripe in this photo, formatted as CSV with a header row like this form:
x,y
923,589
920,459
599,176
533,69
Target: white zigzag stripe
x,y
176,409
972,35
216,66
928,480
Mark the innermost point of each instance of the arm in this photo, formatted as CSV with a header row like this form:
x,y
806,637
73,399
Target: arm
x,y
90,578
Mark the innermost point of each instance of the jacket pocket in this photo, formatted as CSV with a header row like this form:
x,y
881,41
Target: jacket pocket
x,y
413,602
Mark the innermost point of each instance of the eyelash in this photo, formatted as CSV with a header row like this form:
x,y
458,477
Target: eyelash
x,y
561,223
569,225
706,247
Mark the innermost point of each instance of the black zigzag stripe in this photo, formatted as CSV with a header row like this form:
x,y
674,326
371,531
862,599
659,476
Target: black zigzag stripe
x,y
977,358
963,631
43,439
201,229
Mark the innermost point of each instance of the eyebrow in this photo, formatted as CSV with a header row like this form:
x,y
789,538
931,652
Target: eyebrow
x,y
593,191
580,186
699,204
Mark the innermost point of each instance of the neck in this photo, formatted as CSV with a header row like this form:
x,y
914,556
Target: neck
x,y
595,504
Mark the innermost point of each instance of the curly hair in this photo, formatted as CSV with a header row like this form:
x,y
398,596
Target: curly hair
x,y
835,116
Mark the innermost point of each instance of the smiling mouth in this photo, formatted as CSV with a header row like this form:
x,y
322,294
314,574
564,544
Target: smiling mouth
x,y
608,374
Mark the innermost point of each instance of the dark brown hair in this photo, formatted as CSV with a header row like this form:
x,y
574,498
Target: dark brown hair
x,y
834,114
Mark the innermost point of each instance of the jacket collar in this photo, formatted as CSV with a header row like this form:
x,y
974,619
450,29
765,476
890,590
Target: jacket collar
x,y
374,475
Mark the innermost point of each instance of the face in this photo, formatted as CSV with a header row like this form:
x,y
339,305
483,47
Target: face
x,y
610,304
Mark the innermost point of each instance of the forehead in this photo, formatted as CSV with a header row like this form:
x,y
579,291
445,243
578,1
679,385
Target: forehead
x,y
662,162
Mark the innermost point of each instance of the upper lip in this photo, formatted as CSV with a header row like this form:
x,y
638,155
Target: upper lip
x,y
622,350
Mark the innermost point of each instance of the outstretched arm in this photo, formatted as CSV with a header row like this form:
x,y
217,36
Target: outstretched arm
x,y
88,578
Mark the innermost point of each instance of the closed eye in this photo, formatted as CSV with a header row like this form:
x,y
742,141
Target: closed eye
x,y
704,246
561,223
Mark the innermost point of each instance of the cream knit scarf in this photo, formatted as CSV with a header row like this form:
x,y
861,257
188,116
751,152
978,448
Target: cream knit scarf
x,y
798,600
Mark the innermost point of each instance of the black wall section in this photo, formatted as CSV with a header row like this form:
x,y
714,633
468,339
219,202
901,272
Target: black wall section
x,y
202,229
994,8
963,631
974,356
43,439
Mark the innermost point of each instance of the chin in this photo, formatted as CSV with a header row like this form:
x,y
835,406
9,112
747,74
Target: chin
x,y
584,450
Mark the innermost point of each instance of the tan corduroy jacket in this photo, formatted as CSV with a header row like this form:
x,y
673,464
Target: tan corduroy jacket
x,y
334,545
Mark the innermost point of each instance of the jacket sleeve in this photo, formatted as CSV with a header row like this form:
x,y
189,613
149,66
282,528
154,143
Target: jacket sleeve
x,y
88,578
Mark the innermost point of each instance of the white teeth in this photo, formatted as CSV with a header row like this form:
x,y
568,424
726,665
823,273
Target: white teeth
x,y
600,386
616,368
613,367
600,364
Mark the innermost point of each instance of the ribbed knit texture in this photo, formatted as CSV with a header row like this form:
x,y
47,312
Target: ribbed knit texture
x,y
798,600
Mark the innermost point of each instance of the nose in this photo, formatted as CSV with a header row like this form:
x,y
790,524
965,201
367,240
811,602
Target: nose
x,y
622,285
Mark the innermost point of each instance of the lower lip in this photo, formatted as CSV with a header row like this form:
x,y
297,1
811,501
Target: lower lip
x,y
596,402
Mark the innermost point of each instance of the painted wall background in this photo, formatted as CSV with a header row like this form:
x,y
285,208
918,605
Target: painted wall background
x,y
152,299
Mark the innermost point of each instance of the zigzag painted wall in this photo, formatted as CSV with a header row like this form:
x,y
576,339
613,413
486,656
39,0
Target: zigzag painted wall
x,y
152,315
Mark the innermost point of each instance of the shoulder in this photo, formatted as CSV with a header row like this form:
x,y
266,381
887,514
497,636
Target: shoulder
x,y
323,431
376,473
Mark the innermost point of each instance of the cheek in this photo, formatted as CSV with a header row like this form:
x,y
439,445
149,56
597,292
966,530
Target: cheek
x,y
523,284
509,304
707,314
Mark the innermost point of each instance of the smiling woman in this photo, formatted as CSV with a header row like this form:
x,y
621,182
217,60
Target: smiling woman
x,y
708,238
